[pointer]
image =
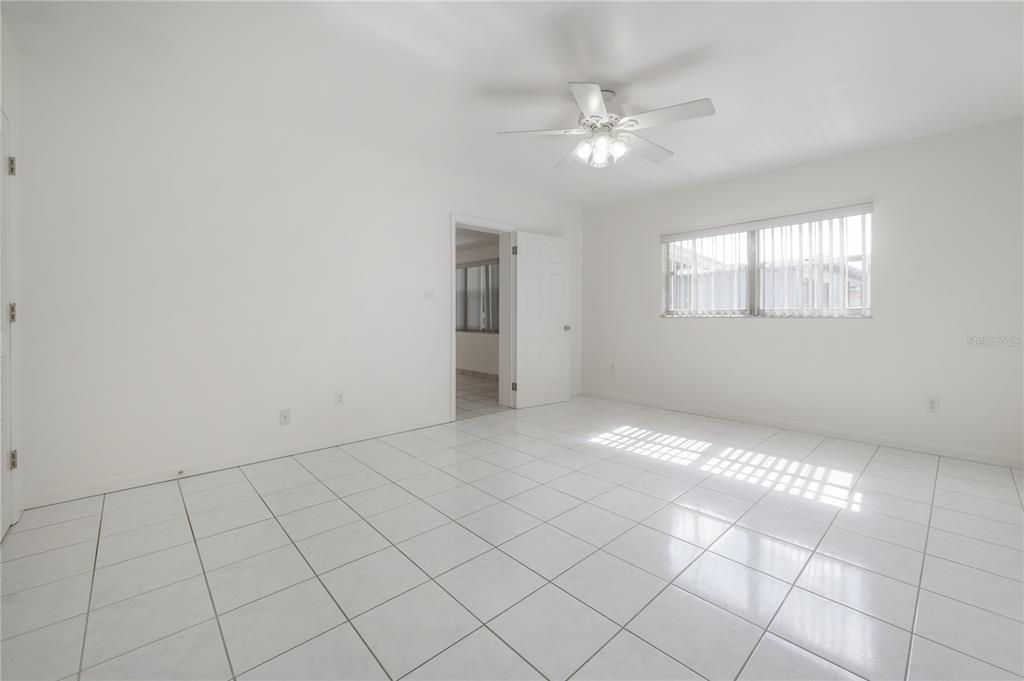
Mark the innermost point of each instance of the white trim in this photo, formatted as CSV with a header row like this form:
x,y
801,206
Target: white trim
x,y
165,473
765,223
171,473
936,448
506,327
9,264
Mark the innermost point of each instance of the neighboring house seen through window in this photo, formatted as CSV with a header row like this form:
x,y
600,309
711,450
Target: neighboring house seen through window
x,y
810,265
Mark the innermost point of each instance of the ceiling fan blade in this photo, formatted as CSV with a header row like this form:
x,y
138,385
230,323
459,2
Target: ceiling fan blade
x,y
648,149
670,114
589,98
561,131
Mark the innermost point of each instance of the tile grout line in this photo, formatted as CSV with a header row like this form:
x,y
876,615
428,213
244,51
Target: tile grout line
x,y
206,581
430,578
1016,486
639,523
920,576
92,583
15,530
583,501
493,547
987,663
670,583
796,579
315,576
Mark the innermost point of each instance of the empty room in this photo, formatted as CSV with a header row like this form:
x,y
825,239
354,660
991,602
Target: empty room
x,y
508,341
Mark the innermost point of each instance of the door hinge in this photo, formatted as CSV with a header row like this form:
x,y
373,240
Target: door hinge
x,y
12,165
515,249
12,312
14,459
515,386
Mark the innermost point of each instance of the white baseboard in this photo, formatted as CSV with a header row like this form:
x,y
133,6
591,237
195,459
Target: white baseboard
x,y
165,473
979,456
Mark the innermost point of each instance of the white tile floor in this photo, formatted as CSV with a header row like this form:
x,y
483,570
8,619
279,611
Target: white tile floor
x,y
592,540
475,396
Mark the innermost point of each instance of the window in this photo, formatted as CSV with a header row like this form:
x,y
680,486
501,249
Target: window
x,y
476,297
812,265
706,275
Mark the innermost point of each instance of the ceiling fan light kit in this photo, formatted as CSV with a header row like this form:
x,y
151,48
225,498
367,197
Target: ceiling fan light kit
x,y
610,137
602,149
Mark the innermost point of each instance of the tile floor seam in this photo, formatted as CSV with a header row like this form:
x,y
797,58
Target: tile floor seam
x,y
920,578
143,645
869,536
805,589
51,582
975,567
434,581
241,501
965,654
49,550
140,527
33,630
147,591
972,605
297,645
973,515
455,643
92,584
671,583
635,524
142,555
322,585
796,579
14,530
206,581
950,476
1016,486
1012,505
326,480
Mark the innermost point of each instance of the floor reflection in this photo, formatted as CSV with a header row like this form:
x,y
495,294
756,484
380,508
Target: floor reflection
x,y
809,481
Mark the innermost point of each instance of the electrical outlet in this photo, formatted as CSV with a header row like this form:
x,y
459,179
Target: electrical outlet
x,y
933,404
339,398
285,417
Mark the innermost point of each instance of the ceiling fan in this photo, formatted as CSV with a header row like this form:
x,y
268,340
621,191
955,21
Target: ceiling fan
x,y
610,136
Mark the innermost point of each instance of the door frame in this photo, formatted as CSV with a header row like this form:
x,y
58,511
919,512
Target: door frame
x,y
506,304
12,505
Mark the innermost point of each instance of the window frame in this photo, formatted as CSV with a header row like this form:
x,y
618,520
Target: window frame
x,y
754,264
462,267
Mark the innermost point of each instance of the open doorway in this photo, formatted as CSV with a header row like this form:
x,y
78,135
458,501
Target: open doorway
x,y
478,301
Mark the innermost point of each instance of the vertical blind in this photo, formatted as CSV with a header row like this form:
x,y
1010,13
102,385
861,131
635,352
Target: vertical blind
x,y
812,265
706,276
476,297
815,268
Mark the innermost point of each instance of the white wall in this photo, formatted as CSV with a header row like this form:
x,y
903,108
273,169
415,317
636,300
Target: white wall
x,y
947,264
476,351
188,272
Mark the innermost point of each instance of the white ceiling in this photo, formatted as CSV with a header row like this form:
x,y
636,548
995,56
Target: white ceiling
x,y
791,81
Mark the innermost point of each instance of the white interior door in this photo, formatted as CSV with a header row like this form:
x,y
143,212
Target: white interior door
x,y
10,498
541,356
